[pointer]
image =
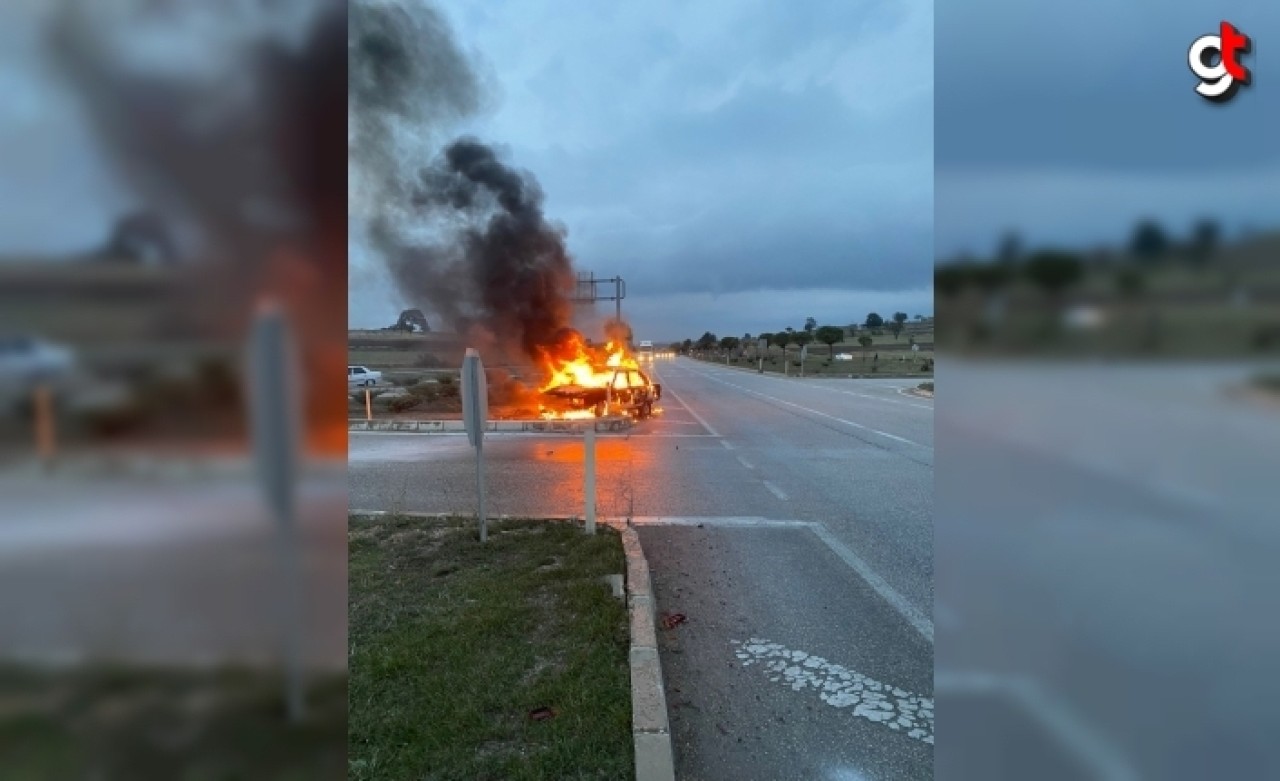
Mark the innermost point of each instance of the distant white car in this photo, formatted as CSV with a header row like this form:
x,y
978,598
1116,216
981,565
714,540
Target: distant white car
x,y
361,377
27,359
844,356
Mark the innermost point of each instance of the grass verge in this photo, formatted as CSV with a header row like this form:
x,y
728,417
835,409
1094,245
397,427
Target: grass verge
x,y
113,723
454,644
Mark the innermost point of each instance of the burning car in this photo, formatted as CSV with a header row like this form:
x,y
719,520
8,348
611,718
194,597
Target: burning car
x,y
592,381
620,389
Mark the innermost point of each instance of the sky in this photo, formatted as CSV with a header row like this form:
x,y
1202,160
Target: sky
x,y
1081,118
742,165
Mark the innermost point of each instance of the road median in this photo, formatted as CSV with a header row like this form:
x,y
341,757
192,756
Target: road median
x,y
503,659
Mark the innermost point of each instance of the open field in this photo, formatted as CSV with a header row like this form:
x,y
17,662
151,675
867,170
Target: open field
x,y
457,647
860,366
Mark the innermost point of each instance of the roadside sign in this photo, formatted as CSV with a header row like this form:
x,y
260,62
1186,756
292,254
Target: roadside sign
x,y
275,428
804,352
475,397
475,415
915,348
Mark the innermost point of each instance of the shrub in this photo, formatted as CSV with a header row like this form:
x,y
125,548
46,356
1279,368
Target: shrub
x,y
446,380
425,390
405,403
428,361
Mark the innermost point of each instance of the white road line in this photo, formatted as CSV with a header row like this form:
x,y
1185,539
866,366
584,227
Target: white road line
x,y
841,687
868,429
775,490
695,415
918,620
518,434
726,444
1087,744
745,521
745,462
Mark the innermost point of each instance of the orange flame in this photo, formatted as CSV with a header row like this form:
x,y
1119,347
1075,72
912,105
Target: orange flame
x,y
577,363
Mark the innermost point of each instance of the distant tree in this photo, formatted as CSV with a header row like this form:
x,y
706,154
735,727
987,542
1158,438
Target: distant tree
x,y
729,343
991,277
782,339
919,318
1204,241
874,321
687,345
1053,271
951,279
746,338
1129,282
900,317
676,347
830,335
707,341
1010,250
802,338
865,341
1149,243
895,328
141,237
411,320
810,324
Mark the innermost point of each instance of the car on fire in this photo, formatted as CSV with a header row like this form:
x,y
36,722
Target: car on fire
x,y
625,389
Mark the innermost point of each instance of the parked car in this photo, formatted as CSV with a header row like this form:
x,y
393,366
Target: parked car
x,y
628,390
27,359
362,377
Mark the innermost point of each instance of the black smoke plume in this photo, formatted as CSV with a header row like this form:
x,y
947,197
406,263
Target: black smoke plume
x,y
462,233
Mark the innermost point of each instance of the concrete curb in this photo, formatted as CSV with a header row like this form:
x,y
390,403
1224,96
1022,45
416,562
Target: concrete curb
x,y
602,425
655,759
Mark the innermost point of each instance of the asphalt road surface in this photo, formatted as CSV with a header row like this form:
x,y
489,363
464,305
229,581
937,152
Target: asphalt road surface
x,y
789,521
1107,553
166,571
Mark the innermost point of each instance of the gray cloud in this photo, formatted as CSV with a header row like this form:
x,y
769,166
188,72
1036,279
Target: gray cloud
x,y
721,148
1070,122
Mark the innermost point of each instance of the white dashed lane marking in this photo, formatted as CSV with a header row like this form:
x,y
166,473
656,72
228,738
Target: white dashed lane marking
x,y
840,687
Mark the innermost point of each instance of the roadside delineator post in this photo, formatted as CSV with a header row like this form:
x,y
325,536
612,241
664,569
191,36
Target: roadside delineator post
x,y
368,404
46,437
275,428
762,346
475,414
589,459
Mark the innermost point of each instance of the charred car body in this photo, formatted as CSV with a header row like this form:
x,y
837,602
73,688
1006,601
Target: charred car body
x,y
626,390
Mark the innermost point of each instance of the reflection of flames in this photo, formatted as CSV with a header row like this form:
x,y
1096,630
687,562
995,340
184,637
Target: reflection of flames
x,y
573,362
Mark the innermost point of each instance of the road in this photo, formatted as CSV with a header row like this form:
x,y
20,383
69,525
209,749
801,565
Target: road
x,y
1107,582
166,571
789,520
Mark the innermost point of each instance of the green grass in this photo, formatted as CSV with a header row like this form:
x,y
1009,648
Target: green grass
x,y
453,643
144,723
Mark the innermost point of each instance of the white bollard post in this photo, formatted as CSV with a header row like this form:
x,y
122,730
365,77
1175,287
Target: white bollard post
x,y
589,457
